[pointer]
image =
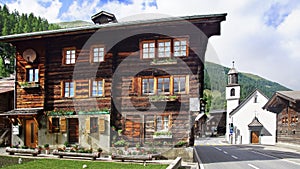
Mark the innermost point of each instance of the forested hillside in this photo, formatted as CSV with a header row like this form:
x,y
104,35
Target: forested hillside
x,y
15,23
215,81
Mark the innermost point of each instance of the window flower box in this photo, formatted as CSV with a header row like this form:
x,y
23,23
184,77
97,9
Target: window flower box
x,y
162,135
26,85
167,61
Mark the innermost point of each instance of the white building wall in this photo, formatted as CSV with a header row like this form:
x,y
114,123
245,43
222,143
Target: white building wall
x,y
246,114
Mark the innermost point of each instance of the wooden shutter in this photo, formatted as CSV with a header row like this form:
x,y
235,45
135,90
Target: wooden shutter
x,y
50,124
63,124
136,85
101,125
170,122
87,125
155,123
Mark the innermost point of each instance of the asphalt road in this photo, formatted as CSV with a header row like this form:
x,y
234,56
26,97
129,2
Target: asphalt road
x,y
245,157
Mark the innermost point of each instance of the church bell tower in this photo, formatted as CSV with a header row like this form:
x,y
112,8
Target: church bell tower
x,y
233,90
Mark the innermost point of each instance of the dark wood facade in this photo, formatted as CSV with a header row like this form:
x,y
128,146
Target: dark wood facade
x,y
122,73
286,104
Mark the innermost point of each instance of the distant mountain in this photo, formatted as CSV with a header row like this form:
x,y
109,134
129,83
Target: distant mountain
x,y
73,24
215,81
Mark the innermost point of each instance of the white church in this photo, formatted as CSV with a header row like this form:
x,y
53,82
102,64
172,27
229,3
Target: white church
x,y
247,122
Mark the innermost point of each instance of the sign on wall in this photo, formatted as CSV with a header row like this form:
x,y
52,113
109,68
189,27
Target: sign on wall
x,y
15,130
194,104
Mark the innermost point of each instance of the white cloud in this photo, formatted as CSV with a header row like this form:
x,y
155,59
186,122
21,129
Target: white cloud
x,y
259,42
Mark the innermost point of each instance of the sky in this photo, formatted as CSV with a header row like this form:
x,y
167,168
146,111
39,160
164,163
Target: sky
x,y
262,37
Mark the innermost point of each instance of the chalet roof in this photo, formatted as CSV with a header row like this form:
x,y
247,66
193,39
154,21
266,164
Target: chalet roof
x,y
255,123
7,84
24,112
77,30
246,101
281,99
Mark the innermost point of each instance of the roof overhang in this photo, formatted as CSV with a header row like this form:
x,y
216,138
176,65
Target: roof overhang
x,y
195,19
23,112
281,100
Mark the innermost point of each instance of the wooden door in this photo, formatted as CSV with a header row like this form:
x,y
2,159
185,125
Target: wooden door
x,y
73,134
254,137
31,133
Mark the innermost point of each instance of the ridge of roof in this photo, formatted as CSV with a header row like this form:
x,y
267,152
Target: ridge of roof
x,y
111,25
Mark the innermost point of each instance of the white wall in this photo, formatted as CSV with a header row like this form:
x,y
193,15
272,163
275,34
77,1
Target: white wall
x,y
246,114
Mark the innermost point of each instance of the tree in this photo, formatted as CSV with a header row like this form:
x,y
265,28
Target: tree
x,y
14,23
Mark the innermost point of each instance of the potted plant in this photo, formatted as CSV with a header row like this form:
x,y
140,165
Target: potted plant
x,y
99,151
47,148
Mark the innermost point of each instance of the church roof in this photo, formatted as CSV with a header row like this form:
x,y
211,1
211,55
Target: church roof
x,y
246,101
233,71
255,123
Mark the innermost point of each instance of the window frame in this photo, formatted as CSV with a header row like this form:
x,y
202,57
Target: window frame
x,y
142,86
92,56
34,75
186,84
172,47
171,85
92,86
64,89
148,51
186,45
64,54
94,125
164,41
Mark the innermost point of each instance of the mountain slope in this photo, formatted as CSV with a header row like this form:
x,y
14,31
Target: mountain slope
x,y
215,81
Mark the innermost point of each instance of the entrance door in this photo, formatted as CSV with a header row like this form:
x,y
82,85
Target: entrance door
x,y
73,125
254,137
31,133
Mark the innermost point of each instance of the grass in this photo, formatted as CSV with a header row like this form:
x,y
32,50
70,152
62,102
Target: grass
x,y
12,163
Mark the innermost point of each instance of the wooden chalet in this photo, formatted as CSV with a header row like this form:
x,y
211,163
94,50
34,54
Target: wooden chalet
x,y
6,100
286,104
138,76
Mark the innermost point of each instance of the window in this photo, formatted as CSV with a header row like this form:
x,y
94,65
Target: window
x,y
180,48
33,75
162,123
94,125
232,92
163,85
55,125
148,86
68,89
255,99
97,54
69,55
179,84
97,88
164,49
148,49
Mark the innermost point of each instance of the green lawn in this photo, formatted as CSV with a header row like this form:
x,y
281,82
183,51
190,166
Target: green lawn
x,y
12,163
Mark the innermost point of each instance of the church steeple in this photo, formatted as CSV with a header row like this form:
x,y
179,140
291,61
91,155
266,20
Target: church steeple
x,y
232,96
233,76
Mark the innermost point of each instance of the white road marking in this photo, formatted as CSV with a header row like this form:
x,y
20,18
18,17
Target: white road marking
x,y
253,166
218,148
225,152
234,157
264,154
